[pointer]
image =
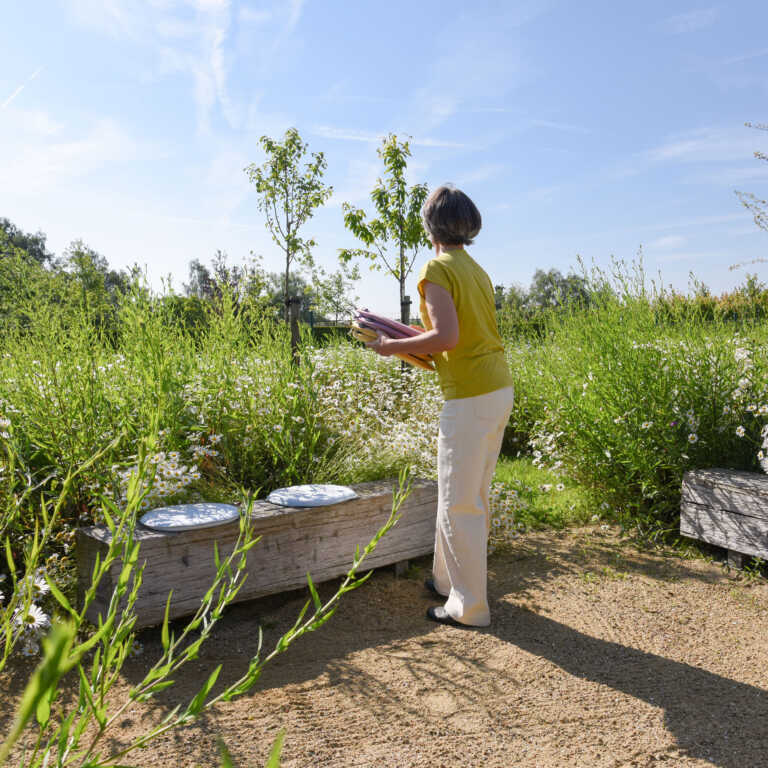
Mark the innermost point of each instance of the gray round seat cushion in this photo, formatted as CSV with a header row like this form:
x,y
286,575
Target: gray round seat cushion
x,y
315,495
187,517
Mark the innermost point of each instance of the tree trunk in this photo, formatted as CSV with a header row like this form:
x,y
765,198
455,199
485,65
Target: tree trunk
x,y
285,288
293,314
403,318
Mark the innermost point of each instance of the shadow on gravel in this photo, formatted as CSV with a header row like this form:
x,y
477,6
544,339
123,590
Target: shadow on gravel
x,y
711,717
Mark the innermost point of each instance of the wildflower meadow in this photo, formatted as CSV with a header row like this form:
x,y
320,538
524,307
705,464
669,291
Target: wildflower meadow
x,y
612,406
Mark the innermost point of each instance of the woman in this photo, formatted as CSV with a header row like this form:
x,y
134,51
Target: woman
x,y
459,314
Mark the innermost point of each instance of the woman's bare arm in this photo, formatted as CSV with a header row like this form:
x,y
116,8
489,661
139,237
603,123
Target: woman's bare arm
x,y
445,327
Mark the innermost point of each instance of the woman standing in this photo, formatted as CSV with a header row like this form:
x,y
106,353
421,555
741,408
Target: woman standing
x,y
459,314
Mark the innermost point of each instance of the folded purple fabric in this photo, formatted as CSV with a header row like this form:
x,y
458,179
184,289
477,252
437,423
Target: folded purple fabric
x,y
385,329
384,323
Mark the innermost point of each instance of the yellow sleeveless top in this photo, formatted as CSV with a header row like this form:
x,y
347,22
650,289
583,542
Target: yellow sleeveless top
x,y
476,365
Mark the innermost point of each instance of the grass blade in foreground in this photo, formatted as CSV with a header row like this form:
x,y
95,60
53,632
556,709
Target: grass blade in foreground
x,y
58,743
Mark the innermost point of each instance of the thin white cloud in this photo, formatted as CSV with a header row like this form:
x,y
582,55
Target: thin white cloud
x,y
49,159
119,18
492,44
706,147
745,57
692,21
198,39
248,15
677,256
557,126
545,194
296,7
344,134
667,242
21,88
480,174
522,122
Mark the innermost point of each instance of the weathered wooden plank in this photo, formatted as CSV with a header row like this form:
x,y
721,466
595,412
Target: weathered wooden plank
x,y
726,497
749,482
320,540
740,533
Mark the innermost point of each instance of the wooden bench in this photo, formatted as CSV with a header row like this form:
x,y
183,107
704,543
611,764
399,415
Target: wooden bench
x,y
727,508
294,540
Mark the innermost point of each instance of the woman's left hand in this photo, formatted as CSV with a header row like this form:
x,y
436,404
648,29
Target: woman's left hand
x,y
380,344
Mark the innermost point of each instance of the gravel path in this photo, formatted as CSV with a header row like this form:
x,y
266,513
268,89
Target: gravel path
x,y
598,655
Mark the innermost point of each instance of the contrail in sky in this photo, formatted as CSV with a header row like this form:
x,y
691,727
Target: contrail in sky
x,y
21,88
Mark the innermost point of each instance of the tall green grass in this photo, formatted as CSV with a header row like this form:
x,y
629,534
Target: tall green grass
x,y
227,408
623,404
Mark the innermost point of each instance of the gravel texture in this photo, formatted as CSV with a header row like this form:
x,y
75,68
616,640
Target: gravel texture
x,y
598,655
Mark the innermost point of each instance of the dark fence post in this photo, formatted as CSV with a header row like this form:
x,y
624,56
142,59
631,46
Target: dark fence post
x,y
405,317
294,303
405,310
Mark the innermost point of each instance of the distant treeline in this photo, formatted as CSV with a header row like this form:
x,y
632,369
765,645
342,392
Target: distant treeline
x,y
527,313
31,277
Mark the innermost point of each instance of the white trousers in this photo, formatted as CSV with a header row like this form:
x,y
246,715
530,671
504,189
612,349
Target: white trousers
x,y
469,441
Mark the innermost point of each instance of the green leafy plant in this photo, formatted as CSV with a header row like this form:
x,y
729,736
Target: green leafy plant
x,y
394,237
623,405
75,734
289,194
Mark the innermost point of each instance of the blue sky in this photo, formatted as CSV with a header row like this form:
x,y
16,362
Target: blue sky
x,y
589,128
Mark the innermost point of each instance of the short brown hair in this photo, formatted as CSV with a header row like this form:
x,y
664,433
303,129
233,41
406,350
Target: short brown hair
x,y
450,217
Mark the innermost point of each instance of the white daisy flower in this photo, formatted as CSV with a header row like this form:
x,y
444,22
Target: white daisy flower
x,y
693,438
30,648
34,619
740,431
40,587
646,425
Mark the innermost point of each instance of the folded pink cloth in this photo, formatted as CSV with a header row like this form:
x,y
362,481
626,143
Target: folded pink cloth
x,y
386,325
385,329
378,324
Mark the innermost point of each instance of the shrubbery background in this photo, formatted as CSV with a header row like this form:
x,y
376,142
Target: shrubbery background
x,y
621,386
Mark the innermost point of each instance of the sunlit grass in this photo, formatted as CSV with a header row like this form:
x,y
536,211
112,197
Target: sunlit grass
x,y
548,500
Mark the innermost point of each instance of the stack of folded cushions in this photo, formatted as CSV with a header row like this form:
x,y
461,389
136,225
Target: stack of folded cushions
x,y
366,326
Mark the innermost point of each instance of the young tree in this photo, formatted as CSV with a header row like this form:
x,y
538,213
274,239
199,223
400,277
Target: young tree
x,y
288,195
201,283
277,295
392,240
332,292
757,207
99,287
552,289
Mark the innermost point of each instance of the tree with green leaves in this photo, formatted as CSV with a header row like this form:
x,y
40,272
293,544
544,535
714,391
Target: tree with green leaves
x,y
33,246
394,237
208,283
551,289
289,194
298,286
332,292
